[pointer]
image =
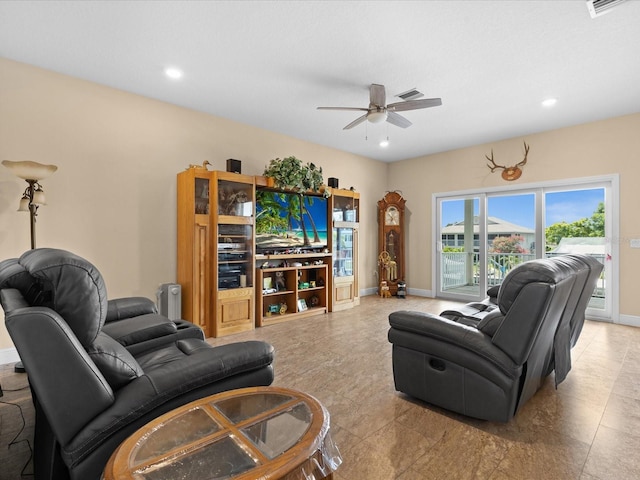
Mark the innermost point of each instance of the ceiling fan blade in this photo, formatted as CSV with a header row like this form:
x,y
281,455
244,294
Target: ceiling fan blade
x,y
357,109
357,121
414,104
398,120
377,95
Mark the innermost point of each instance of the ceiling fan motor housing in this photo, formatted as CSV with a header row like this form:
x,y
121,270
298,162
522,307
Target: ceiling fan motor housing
x,y
378,116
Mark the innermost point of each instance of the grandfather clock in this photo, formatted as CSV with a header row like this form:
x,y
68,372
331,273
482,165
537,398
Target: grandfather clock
x,y
391,240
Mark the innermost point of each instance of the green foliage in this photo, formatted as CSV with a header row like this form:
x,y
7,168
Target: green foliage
x,y
584,227
269,219
447,248
291,174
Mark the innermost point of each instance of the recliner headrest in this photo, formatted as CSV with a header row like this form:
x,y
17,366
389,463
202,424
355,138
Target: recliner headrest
x,y
545,270
14,275
72,287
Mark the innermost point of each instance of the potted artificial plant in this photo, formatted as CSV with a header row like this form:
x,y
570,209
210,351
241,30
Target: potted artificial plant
x,y
291,174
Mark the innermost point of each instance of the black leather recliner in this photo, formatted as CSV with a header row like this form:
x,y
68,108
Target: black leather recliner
x,y
90,392
488,368
587,270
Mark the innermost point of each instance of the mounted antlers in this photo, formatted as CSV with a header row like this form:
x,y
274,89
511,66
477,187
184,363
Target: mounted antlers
x,y
509,173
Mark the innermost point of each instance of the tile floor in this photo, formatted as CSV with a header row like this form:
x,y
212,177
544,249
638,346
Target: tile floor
x,y
587,429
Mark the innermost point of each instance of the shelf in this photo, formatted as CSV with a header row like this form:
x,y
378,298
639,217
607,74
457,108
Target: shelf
x,y
234,220
287,269
300,290
337,224
285,256
275,294
286,317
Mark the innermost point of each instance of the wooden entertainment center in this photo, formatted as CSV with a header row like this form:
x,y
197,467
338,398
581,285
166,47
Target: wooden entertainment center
x,y
229,285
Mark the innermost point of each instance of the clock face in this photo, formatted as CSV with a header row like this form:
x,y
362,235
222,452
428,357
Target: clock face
x,y
392,216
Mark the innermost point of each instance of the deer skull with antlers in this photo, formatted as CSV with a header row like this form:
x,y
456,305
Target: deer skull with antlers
x,y
509,173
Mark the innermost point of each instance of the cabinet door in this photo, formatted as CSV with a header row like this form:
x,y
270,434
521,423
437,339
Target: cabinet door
x,y
234,279
194,247
235,256
234,312
343,252
202,293
343,290
233,275
345,207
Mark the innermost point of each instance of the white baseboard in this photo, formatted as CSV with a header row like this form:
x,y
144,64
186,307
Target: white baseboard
x,y
410,291
368,291
9,355
420,293
629,320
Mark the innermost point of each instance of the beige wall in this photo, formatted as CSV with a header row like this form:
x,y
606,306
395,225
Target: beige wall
x,y
113,198
594,149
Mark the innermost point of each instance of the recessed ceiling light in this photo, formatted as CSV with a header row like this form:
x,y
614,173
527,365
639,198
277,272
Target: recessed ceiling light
x,y
549,102
384,143
173,73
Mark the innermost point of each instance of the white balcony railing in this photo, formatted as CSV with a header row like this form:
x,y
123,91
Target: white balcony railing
x,y
460,269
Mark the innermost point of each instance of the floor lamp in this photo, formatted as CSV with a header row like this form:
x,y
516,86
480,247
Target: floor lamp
x,y
32,198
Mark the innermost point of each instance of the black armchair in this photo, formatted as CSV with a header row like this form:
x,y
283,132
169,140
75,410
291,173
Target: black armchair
x,y
489,367
587,272
90,392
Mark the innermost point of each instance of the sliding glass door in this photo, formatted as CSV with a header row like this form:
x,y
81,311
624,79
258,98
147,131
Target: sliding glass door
x,y
483,236
460,272
511,234
576,222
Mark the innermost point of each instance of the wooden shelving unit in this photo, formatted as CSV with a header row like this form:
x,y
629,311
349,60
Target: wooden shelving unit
x,y
287,291
215,250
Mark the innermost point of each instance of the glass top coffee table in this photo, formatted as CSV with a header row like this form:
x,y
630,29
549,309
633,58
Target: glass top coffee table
x,y
257,432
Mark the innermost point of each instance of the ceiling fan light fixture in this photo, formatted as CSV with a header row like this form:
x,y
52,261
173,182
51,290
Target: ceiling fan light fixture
x,y
377,117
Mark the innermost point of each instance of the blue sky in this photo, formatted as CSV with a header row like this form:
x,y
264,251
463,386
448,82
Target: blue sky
x,y
566,206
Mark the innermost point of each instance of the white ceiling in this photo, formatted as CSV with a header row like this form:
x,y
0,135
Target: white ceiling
x,y
271,63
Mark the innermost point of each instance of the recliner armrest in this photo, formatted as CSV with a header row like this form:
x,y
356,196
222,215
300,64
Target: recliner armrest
x,y
11,299
47,346
139,329
447,339
127,307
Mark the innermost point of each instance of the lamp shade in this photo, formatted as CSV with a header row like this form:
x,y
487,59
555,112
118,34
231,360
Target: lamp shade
x,y
24,204
38,198
29,170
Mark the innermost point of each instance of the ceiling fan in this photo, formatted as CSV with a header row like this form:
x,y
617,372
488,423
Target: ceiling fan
x,y
378,111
